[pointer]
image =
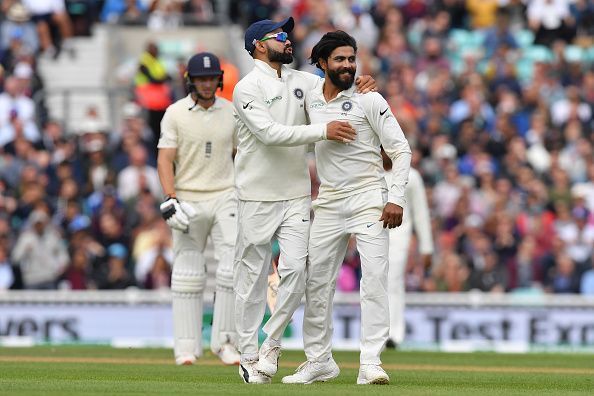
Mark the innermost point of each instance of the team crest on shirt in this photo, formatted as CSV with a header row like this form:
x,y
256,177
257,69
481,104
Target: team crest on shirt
x,y
347,106
298,92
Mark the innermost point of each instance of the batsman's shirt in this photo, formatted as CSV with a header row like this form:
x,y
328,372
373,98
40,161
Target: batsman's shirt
x,y
348,169
204,139
270,164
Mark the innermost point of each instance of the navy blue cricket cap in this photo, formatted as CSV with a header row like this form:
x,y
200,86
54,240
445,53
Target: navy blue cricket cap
x,y
257,30
204,64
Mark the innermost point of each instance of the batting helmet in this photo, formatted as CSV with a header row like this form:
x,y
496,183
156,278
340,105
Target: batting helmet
x,y
204,64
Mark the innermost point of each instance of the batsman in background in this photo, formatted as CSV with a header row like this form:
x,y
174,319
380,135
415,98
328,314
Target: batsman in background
x,y
353,199
195,166
416,215
274,190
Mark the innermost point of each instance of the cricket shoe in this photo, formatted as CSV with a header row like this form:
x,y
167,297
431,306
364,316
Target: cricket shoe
x,y
372,374
268,358
185,360
250,375
228,354
310,372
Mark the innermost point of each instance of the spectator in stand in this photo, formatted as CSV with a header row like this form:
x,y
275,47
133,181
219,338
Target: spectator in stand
x,y
40,253
127,12
500,34
152,88
571,107
482,13
489,276
525,269
17,114
17,27
114,274
44,13
199,11
563,277
578,237
77,275
165,15
138,176
96,167
6,272
550,20
450,274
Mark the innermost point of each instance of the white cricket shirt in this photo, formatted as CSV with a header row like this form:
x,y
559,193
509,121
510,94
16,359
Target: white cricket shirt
x,y
204,139
270,164
348,169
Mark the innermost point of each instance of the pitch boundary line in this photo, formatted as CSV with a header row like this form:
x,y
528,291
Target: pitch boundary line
x,y
349,365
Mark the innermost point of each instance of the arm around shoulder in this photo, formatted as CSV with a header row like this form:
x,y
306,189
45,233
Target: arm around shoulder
x,y
252,110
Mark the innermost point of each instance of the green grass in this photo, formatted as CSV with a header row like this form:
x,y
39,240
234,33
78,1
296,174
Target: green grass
x,y
77,370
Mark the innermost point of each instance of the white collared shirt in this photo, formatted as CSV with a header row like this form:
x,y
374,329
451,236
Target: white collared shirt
x,y
204,139
270,164
348,169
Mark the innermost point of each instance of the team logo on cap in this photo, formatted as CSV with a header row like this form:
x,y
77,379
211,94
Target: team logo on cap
x,y
207,62
298,92
346,106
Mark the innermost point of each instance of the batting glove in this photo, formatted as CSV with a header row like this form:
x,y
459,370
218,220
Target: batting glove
x,y
188,210
174,214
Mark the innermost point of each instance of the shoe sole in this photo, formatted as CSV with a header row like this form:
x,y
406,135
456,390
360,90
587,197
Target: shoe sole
x,y
246,381
323,378
267,371
375,381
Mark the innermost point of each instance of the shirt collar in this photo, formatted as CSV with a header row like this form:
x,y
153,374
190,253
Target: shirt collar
x,y
270,71
319,90
349,92
190,102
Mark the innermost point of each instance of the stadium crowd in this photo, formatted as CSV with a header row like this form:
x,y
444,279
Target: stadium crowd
x,y
495,97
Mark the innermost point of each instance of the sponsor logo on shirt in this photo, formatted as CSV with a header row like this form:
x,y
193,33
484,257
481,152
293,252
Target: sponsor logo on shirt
x,y
316,105
383,112
270,101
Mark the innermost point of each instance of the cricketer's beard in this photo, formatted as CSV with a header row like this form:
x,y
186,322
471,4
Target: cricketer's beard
x,y
282,57
334,76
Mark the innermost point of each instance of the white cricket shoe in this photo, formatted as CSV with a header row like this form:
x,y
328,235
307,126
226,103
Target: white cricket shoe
x,y
372,374
228,354
268,358
249,374
185,360
310,372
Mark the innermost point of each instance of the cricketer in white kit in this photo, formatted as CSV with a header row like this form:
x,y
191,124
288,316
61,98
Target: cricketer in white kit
x,y
195,166
353,199
416,216
273,187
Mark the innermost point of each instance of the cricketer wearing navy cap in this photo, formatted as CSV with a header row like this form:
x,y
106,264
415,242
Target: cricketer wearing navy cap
x,y
256,31
196,171
274,189
203,64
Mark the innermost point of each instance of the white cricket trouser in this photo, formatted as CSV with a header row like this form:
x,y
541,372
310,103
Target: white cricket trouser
x,y
258,223
399,244
333,224
217,218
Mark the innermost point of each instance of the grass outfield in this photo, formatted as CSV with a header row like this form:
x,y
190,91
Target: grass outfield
x,y
74,370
